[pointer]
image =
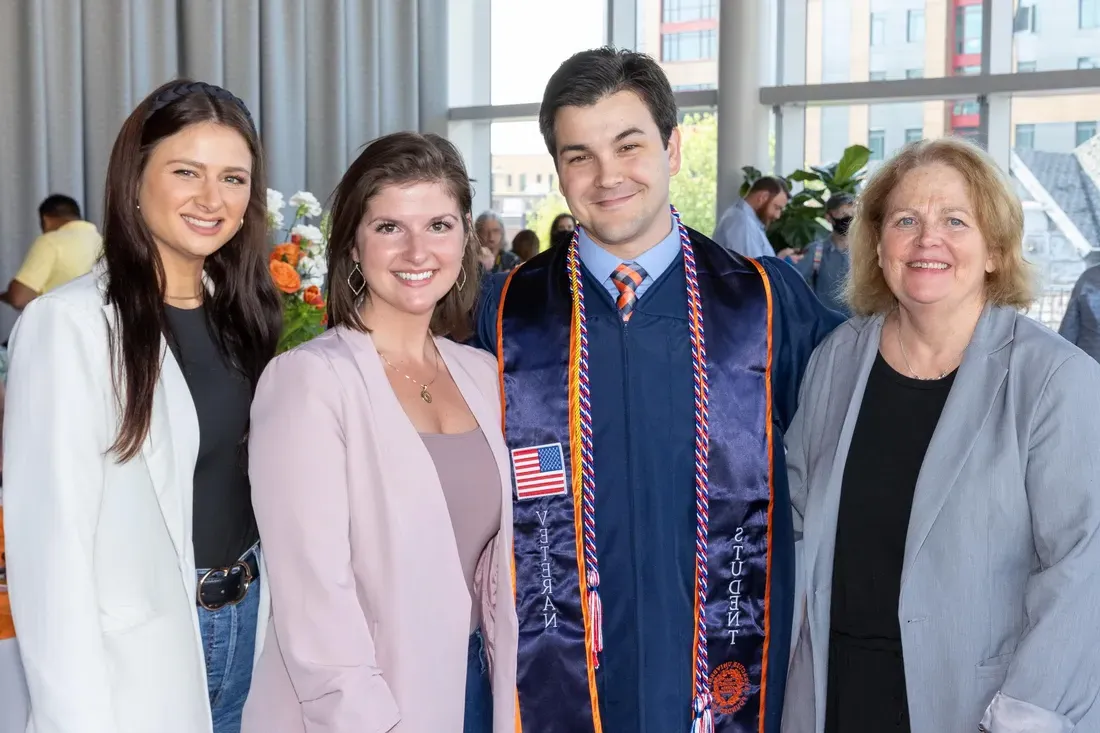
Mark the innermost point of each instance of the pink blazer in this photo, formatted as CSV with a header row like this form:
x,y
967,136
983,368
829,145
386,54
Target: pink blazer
x,y
370,611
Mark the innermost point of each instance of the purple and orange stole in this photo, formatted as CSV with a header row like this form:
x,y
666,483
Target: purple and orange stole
x,y
538,344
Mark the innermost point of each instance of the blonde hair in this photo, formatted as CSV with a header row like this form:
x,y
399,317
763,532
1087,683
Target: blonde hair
x,y
997,209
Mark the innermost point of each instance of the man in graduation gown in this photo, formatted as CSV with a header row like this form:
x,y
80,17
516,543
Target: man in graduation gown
x,y
647,377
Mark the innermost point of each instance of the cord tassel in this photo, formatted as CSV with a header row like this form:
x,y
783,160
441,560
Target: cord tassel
x,y
595,613
704,716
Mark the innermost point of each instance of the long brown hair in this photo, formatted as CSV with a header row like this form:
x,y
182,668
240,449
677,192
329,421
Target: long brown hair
x,y
400,159
243,310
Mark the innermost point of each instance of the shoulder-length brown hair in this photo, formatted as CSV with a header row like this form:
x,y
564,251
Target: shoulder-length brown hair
x,y
243,310
397,160
997,209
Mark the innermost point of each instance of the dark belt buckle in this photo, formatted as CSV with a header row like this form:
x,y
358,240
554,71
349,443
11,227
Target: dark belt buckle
x,y
246,580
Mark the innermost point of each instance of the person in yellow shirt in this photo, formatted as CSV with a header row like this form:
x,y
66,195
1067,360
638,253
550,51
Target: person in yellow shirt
x,y
67,249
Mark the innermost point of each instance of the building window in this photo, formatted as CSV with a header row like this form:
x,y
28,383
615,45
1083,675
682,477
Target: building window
x,y
509,181
914,27
968,29
1086,62
685,11
914,134
689,46
1025,137
876,141
878,29
522,182
538,178
967,70
877,76
966,108
1088,13
914,73
971,134
1085,131
551,180
1025,66
1024,22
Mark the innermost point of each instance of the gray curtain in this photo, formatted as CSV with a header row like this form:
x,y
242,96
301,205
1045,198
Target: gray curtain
x,y
321,77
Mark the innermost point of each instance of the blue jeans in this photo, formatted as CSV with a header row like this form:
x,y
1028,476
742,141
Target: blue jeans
x,y
479,692
229,643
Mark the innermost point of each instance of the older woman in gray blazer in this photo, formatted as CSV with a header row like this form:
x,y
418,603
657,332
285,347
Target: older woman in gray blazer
x,y
950,515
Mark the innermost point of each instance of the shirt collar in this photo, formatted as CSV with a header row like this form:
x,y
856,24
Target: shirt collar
x,y
747,211
601,263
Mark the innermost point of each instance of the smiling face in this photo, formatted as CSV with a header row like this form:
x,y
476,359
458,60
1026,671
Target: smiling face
x,y
614,171
409,245
194,191
931,250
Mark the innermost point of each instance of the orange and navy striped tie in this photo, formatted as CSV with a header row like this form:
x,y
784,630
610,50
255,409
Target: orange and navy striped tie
x,y
627,277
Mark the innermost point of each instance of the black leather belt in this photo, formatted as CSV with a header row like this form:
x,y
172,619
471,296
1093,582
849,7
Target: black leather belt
x,y
221,587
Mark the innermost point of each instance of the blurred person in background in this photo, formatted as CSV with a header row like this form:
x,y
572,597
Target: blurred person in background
x,y
525,244
1081,322
952,555
742,228
132,550
563,223
824,263
490,232
67,249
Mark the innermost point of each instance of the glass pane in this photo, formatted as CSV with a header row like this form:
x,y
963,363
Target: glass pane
x,y
860,40
1056,169
683,36
523,58
525,185
884,128
1049,35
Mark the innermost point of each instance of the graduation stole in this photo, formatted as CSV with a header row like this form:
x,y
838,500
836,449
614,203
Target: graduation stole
x,y
542,348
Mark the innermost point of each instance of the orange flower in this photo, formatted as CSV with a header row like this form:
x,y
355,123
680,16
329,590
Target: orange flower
x,y
289,253
285,277
312,296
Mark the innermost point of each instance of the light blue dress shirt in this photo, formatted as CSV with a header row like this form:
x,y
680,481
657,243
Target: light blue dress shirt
x,y
740,230
601,264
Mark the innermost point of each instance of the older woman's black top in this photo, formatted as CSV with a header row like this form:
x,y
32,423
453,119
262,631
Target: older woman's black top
x,y
223,525
866,680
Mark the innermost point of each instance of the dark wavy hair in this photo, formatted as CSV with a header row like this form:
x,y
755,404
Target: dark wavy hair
x,y
244,310
396,160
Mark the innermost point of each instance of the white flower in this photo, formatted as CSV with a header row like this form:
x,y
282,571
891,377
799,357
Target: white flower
x,y
275,201
312,271
306,204
308,233
275,219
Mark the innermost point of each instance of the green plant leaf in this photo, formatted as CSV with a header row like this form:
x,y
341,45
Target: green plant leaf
x,y
853,161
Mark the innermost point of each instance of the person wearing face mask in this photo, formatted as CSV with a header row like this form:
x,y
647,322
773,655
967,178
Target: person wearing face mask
x,y
132,551
647,376
824,264
387,529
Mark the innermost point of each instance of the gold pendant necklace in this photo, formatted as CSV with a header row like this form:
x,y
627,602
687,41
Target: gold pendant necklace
x,y
424,393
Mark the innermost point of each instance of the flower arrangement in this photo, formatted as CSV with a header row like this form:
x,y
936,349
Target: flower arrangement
x,y
298,265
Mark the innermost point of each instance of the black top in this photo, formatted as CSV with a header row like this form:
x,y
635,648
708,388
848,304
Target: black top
x,y
866,680
224,526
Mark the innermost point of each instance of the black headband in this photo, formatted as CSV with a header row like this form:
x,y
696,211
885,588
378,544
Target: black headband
x,y
184,89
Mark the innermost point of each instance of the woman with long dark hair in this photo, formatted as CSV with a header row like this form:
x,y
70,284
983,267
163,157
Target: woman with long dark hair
x,y
132,548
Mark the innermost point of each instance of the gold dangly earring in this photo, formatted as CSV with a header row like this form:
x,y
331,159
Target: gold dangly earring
x,y
461,284
362,280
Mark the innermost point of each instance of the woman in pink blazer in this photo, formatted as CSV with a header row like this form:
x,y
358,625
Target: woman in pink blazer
x,y
380,476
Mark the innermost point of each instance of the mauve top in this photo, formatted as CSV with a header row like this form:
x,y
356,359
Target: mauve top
x,y
471,485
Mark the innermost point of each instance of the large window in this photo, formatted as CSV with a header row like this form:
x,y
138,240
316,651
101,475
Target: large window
x,y
968,30
529,40
1085,131
689,46
1088,14
685,11
878,29
1025,137
914,26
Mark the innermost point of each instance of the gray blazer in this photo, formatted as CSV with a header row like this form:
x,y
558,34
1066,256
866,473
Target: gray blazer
x,y
1000,585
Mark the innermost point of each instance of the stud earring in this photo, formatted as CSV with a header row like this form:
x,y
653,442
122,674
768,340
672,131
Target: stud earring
x,y
362,280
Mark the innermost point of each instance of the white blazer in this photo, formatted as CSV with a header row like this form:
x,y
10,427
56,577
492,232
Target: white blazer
x,y
101,569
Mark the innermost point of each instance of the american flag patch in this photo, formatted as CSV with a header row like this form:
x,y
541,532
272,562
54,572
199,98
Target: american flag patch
x,y
539,471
